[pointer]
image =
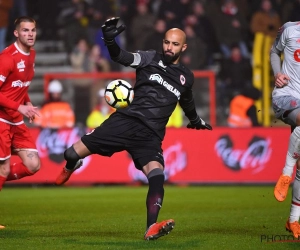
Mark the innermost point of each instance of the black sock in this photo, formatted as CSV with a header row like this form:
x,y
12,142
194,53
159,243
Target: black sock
x,y
71,157
154,198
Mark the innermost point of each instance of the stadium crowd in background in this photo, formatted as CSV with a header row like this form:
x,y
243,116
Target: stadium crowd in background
x,y
212,27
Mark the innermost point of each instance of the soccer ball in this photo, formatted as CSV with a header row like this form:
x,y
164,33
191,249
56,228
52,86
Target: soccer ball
x,y
119,94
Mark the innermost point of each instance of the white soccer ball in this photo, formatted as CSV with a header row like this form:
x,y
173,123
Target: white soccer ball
x,y
119,94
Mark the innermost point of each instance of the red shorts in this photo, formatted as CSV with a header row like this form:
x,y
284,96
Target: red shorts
x,y
14,137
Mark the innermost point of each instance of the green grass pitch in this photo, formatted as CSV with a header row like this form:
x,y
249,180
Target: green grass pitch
x,y
113,217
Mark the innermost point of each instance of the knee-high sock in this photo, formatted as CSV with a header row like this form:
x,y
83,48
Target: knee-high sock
x,y
2,180
18,171
293,152
155,195
295,206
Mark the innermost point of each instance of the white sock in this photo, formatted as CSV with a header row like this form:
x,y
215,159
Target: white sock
x,y
293,152
295,207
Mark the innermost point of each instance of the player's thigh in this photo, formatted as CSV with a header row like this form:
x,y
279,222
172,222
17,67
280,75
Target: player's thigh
x,y
287,109
112,136
5,141
146,150
24,146
22,139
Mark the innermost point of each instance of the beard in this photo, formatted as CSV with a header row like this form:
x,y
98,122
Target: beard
x,y
170,58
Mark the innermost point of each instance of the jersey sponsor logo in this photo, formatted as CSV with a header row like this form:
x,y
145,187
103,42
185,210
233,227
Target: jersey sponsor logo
x,y
297,55
20,84
2,78
161,81
21,65
182,79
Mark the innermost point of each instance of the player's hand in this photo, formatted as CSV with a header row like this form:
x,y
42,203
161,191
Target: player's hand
x,y
110,29
281,80
29,111
198,123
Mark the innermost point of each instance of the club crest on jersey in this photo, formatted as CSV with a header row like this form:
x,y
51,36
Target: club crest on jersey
x,y
182,79
21,66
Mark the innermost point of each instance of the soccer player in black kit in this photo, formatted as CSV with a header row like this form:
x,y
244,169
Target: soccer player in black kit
x,y
161,81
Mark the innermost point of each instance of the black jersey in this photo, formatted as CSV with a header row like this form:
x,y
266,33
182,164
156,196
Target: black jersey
x,y
157,90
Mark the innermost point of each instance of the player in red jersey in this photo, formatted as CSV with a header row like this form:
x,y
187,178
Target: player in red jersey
x,y
16,73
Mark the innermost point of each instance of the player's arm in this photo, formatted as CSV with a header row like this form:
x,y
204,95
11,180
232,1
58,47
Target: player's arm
x,y
110,31
8,103
275,55
280,79
27,100
188,106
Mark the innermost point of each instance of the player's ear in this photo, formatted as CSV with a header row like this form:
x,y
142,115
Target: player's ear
x,y
16,33
184,47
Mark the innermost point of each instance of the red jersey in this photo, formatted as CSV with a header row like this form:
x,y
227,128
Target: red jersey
x,y
16,74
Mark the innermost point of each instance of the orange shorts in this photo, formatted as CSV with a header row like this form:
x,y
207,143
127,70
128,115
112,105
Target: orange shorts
x,y
14,137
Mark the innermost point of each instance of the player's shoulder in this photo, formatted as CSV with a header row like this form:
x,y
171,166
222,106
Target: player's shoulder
x,y
146,53
9,51
6,55
288,26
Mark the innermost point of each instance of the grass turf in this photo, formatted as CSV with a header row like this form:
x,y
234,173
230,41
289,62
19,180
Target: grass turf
x,y
106,217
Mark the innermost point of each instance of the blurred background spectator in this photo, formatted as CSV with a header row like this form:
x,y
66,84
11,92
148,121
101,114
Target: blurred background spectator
x,y
55,113
79,56
266,20
100,112
97,13
242,111
73,18
231,28
205,32
5,6
141,26
235,74
195,57
155,38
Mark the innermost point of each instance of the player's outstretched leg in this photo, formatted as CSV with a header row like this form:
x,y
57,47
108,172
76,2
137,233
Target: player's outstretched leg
x,y
292,156
159,229
65,174
282,187
2,227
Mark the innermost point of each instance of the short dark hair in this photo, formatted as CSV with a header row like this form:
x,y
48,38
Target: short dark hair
x,y
23,19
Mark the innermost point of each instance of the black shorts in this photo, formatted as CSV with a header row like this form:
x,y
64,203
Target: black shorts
x,y
120,132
